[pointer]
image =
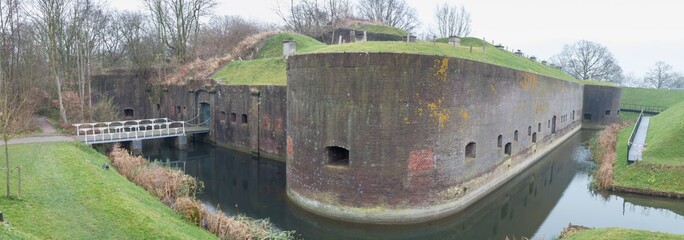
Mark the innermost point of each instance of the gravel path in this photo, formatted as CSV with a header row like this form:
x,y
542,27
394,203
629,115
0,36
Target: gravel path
x,y
47,134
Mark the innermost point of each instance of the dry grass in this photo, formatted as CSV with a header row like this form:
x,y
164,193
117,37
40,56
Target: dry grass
x,y
202,69
177,190
604,150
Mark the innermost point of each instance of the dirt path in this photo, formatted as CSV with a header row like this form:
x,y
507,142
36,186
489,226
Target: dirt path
x,y
48,134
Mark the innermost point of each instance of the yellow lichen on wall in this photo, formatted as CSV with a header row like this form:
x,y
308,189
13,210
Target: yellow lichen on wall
x,y
438,113
464,114
442,69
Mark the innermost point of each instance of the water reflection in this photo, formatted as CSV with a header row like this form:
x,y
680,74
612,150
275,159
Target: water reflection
x,y
538,203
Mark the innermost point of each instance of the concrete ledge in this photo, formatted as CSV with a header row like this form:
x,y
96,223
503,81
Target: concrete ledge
x,y
389,215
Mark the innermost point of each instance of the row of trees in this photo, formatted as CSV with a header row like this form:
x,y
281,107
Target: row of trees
x,y
314,17
589,60
52,48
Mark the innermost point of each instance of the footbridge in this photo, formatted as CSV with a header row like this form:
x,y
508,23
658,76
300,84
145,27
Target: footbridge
x,y
136,130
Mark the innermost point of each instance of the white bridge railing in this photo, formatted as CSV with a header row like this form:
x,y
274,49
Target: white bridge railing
x,y
118,131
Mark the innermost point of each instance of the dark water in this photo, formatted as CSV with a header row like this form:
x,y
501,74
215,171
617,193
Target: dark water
x,y
538,203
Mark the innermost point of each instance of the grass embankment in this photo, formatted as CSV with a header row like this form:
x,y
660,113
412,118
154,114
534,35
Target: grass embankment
x,y
661,172
493,55
377,28
67,195
178,189
269,68
618,233
651,97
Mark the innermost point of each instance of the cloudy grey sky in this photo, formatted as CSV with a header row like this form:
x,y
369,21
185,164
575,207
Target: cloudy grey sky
x,y
637,32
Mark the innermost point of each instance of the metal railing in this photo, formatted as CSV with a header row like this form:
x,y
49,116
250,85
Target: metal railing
x,y
117,131
633,134
643,108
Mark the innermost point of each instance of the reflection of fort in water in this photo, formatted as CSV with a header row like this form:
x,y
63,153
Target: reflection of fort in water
x,y
240,183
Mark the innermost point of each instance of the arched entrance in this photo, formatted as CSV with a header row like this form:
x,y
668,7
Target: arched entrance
x,y
204,114
553,125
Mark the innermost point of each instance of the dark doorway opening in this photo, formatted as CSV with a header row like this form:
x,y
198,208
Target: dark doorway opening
x,y
534,137
499,141
244,118
128,113
507,149
204,114
337,156
553,125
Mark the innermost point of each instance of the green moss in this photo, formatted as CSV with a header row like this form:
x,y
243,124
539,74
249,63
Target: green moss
x,y
266,71
620,233
651,96
67,195
273,47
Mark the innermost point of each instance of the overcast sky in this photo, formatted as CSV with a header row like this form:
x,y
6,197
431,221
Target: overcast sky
x,y
637,32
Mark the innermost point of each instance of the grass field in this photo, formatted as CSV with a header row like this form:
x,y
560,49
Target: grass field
x,y
67,195
651,97
620,233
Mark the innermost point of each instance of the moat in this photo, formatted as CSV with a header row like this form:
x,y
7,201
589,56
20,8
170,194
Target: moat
x,y
537,203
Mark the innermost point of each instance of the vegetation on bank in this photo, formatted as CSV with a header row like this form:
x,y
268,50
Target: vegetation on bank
x,y
177,190
660,173
618,233
66,194
269,67
651,96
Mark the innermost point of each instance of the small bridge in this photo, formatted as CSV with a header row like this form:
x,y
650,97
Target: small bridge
x,y
133,130
637,108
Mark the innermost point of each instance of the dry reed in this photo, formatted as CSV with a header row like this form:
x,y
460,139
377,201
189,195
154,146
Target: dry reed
x,y
201,69
177,190
604,150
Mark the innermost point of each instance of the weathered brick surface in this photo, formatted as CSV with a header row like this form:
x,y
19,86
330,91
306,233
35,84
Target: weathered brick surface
x,y
406,120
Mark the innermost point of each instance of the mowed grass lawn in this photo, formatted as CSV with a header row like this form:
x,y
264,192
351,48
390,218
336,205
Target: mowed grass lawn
x,y
620,233
65,194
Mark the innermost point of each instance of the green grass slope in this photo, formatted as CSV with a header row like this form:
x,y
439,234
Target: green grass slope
x,y
665,138
269,68
651,96
661,169
67,195
493,55
377,28
620,233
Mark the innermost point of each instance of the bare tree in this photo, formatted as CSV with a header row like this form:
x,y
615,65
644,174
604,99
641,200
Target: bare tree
x,y
221,35
178,23
452,21
589,60
660,76
50,18
137,42
313,17
395,13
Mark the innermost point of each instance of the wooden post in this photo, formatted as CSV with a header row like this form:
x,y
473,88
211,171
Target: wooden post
x,y
484,49
19,173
